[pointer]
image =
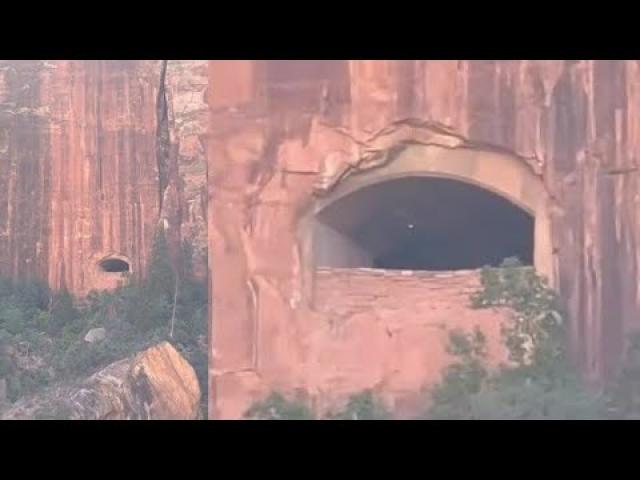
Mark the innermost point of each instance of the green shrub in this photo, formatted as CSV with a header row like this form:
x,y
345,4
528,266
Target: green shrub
x,y
54,412
12,318
82,358
624,392
539,382
32,294
462,379
535,399
31,381
469,392
41,320
160,279
5,362
278,407
362,406
149,312
63,313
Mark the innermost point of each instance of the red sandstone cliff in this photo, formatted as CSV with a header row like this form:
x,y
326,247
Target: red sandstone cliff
x,y
89,152
276,126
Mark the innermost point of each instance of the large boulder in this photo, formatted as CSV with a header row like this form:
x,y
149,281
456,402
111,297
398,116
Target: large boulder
x,y
95,335
156,384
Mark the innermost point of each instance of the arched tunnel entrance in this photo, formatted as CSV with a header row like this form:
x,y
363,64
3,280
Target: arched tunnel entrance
x,y
114,265
422,223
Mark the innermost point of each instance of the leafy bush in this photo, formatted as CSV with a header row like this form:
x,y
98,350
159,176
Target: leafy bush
x,y
26,382
161,275
277,407
199,360
5,362
149,312
534,399
469,392
54,412
12,318
624,393
63,314
362,406
462,379
538,383
41,320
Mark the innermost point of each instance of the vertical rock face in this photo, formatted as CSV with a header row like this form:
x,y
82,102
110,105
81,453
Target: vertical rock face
x,y
24,164
186,86
388,330
281,130
90,152
104,172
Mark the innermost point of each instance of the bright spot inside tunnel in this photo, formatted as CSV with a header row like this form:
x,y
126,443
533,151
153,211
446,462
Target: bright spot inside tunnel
x,y
114,265
422,223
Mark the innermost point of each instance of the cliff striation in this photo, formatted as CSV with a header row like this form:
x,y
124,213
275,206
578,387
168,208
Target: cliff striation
x,y
93,155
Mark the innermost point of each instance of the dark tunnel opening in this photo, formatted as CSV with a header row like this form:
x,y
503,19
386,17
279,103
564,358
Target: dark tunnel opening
x,y
114,265
422,223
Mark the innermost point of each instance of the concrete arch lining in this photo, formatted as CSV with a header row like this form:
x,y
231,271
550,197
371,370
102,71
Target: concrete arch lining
x,y
502,174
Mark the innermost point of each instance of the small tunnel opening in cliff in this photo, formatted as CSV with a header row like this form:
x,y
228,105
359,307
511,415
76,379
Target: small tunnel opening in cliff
x,y
114,265
422,223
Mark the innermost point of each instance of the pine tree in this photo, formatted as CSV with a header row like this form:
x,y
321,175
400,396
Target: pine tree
x,y
151,308
161,275
63,312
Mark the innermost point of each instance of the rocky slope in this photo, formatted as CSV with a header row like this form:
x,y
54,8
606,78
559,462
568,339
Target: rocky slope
x,y
156,384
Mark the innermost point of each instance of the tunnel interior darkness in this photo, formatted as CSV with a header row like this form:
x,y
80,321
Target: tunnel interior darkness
x,y
422,223
114,265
